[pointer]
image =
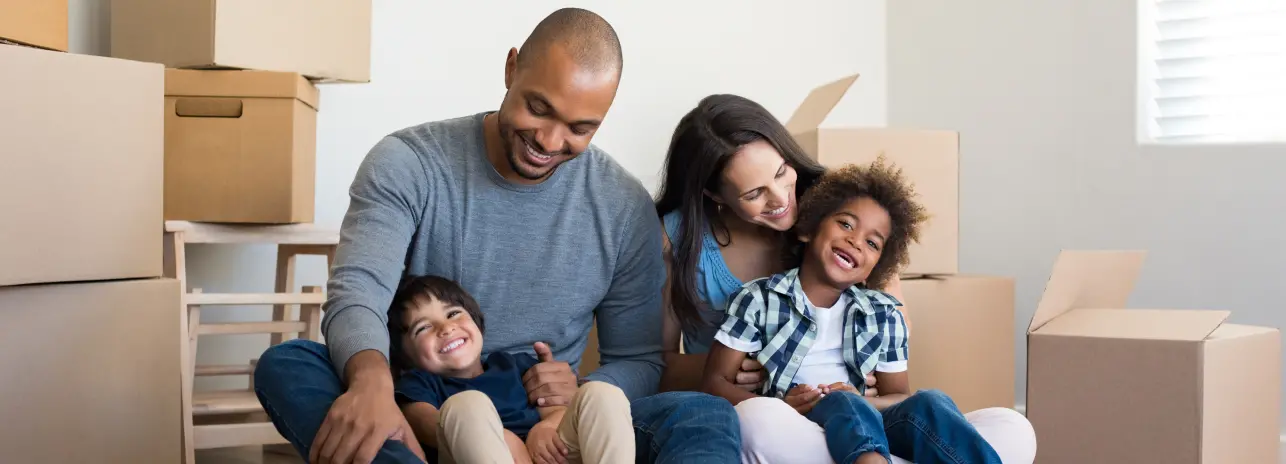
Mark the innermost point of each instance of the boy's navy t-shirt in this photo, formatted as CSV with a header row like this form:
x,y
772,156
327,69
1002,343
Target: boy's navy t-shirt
x,y
501,380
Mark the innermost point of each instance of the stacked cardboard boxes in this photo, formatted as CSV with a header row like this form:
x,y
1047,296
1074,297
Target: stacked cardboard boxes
x,y
1107,384
90,329
962,325
241,104
36,23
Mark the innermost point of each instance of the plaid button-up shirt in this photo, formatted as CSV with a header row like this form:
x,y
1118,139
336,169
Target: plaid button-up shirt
x,y
769,318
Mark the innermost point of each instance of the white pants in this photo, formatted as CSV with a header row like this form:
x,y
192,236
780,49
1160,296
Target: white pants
x,y
773,433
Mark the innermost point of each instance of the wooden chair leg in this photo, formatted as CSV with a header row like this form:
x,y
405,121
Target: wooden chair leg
x,y
311,315
191,318
285,283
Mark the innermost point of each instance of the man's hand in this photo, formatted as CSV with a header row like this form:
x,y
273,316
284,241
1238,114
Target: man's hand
x,y
751,375
358,424
803,398
550,383
871,386
544,444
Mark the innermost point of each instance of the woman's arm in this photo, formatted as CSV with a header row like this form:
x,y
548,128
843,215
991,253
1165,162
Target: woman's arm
x,y
423,418
682,371
722,366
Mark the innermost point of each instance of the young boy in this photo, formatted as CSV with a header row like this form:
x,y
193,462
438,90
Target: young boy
x,y
820,328
476,411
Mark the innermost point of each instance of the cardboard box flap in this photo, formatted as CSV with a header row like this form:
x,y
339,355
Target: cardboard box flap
x,y
1136,324
242,84
1087,279
818,104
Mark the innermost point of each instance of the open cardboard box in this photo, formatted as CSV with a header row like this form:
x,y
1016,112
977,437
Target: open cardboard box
x,y
929,158
1107,384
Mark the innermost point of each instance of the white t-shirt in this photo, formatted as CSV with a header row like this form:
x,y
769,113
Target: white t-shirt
x,y
824,363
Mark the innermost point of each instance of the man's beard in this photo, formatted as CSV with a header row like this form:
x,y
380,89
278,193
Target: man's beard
x,y
508,136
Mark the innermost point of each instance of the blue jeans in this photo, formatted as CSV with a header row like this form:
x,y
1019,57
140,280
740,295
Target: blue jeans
x,y
926,428
296,384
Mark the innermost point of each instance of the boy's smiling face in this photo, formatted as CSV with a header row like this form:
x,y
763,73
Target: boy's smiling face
x,y
442,339
848,243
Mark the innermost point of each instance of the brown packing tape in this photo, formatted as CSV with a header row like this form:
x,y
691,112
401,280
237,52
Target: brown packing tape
x,y
208,107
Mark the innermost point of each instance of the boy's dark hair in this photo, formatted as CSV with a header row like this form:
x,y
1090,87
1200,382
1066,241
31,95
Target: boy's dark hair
x,y
442,289
878,181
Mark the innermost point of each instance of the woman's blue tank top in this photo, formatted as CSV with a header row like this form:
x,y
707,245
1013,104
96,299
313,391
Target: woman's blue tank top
x,y
715,284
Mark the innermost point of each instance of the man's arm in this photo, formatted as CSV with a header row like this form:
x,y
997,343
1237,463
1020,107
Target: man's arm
x,y
629,317
387,199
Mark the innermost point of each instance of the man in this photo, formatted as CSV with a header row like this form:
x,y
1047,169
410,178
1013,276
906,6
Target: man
x,y
545,229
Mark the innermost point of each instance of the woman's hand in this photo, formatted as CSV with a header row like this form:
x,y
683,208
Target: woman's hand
x,y
871,391
751,374
803,398
545,445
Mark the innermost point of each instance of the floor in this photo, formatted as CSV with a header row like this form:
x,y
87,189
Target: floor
x,y
248,455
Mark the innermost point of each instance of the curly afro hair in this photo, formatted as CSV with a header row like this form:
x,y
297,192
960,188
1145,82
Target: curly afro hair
x,y
879,181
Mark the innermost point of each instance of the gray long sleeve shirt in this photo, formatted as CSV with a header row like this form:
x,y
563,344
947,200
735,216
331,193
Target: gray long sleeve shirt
x,y
542,260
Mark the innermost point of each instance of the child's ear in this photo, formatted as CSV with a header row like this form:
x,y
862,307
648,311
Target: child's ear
x,y
804,238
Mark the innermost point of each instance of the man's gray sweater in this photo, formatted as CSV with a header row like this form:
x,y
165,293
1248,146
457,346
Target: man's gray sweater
x,y
542,260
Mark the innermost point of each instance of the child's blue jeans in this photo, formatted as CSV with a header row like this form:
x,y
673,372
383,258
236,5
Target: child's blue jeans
x,y
926,428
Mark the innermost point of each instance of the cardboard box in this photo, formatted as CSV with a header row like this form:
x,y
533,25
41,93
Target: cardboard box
x,y
38,23
80,186
962,338
1107,384
240,146
930,159
322,39
92,372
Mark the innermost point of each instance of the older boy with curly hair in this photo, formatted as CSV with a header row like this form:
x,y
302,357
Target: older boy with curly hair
x,y
820,328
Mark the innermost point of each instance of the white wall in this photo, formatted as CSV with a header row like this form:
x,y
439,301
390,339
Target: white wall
x,y
1044,96
435,60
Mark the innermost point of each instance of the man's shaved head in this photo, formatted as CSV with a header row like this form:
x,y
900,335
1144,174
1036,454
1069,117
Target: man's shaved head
x,y
584,35
558,89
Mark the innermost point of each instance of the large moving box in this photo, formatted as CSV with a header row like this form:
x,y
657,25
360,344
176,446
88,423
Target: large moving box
x,y
240,146
91,372
81,150
1107,384
39,23
930,159
321,39
962,338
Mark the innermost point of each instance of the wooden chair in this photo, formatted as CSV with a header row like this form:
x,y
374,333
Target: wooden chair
x,y
243,421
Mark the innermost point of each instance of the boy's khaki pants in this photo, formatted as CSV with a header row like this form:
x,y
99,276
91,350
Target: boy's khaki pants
x,y
597,428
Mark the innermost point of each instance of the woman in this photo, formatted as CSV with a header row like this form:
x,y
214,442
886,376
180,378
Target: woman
x,y
732,177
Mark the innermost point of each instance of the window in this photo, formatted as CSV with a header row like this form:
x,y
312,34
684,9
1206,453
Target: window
x,y
1212,71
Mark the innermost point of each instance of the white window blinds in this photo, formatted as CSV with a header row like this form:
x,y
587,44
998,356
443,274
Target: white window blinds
x,y
1213,71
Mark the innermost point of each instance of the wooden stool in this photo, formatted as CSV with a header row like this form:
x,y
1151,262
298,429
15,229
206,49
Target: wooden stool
x,y
291,240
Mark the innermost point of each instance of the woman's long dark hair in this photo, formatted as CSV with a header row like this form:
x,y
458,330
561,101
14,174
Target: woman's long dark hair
x,y
704,141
